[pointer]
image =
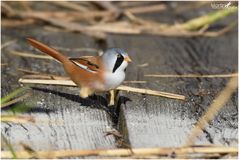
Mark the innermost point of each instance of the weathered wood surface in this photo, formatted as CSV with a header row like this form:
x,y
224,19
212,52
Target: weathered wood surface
x,y
65,121
148,121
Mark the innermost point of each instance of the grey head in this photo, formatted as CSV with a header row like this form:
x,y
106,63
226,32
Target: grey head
x,y
115,60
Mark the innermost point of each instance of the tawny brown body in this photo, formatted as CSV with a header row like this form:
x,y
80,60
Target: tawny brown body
x,y
88,82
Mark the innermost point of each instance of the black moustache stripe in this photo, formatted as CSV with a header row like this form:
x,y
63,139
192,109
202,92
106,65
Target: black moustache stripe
x,y
118,62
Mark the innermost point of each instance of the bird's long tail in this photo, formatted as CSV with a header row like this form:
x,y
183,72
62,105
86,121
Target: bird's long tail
x,y
50,51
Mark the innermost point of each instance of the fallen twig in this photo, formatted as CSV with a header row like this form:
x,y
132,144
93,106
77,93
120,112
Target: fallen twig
x,y
125,152
76,49
206,20
4,141
45,76
123,88
11,95
135,82
192,75
70,5
17,119
15,100
213,109
30,55
222,31
147,8
4,64
17,23
151,92
28,71
8,43
187,29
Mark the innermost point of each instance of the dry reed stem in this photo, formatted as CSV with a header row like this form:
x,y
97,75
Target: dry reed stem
x,y
222,31
76,49
50,82
151,92
4,64
8,43
122,88
208,19
45,76
17,119
39,75
99,31
213,109
15,100
30,55
28,71
125,152
192,75
136,82
17,23
146,9
143,65
70,5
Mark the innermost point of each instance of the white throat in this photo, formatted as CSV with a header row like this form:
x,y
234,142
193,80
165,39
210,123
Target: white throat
x,y
114,79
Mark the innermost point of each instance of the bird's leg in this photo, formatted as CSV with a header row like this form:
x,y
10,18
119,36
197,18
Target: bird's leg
x,y
113,97
85,92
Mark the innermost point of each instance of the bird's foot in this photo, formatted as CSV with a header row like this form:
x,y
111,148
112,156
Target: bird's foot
x,y
113,97
85,92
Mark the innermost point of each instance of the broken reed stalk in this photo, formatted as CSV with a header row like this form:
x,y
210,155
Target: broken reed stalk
x,y
187,29
124,152
192,75
17,119
15,100
208,19
8,43
30,55
213,109
151,92
13,94
122,88
70,5
4,141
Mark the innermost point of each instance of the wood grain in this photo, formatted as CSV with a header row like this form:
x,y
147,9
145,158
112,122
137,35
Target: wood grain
x,y
63,119
155,122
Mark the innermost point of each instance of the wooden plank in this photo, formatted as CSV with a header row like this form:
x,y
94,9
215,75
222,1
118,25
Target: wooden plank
x,y
148,121
63,119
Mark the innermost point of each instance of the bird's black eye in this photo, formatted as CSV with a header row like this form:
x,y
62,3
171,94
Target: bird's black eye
x,y
118,55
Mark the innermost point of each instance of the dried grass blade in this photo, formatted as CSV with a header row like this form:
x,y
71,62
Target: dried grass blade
x,y
213,109
135,82
70,5
123,88
8,43
13,94
151,92
48,82
146,9
17,119
30,55
15,100
192,75
126,152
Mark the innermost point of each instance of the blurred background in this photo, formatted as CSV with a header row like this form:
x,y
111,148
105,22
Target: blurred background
x,y
188,48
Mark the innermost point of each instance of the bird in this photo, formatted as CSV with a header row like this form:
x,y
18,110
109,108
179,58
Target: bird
x,y
92,73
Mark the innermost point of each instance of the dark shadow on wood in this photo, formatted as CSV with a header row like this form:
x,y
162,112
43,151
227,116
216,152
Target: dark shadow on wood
x,y
122,100
88,102
94,101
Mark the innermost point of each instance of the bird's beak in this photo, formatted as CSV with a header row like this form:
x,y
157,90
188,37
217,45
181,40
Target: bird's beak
x,y
127,59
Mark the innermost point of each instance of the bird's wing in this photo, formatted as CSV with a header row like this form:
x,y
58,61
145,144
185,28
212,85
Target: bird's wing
x,y
89,63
